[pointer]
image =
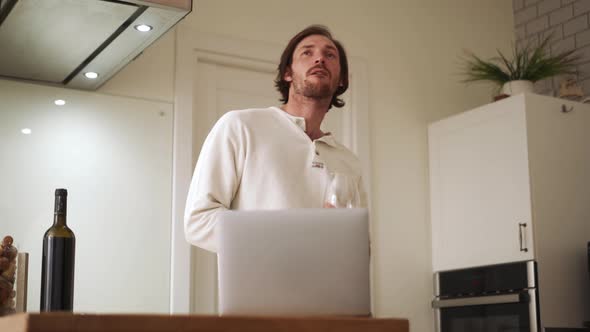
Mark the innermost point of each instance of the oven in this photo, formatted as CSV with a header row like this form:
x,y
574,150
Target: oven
x,y
496,298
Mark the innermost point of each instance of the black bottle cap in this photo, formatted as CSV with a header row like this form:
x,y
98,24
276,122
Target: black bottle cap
x,y
61,199
61,192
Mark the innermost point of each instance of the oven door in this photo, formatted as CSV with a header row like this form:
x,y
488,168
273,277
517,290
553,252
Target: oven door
x,y
496,313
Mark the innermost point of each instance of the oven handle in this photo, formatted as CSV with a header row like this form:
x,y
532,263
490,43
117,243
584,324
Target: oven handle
x,y
481,300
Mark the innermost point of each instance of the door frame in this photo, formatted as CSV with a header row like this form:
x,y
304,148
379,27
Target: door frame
x,y
193,46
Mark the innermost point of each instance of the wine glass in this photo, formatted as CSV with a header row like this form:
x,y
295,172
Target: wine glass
x,y
341,191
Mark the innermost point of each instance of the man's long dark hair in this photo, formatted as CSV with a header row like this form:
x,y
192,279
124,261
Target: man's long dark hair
x,y
287,60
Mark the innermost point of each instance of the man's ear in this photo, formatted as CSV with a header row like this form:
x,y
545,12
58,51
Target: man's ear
x,y
288,76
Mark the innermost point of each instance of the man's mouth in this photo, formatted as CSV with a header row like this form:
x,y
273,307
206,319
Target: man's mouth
x,y
319,72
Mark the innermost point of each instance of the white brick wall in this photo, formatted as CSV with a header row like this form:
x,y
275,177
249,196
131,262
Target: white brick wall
x,y
525,15
583,38
547,6
561,15
555,32
574,25
581,7
537,25
563,45
567,21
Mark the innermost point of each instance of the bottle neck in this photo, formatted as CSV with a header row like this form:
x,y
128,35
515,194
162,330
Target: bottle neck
x,y
61,206
59,220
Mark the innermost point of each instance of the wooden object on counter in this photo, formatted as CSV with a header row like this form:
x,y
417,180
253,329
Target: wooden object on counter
x,y
67,322
22,272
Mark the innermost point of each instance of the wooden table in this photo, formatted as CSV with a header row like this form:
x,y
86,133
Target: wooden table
x,y
65,322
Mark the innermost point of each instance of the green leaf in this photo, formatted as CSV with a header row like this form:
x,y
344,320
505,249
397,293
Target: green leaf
x,y
529,62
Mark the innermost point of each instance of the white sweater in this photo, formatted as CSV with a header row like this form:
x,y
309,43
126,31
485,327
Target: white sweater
x,y
260,159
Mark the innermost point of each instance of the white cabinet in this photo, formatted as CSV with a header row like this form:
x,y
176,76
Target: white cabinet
x,y
519,161
480,192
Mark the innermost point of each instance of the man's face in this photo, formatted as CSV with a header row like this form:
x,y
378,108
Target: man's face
x,y
315,71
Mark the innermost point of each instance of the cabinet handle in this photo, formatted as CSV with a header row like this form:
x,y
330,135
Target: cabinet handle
x,y
522,237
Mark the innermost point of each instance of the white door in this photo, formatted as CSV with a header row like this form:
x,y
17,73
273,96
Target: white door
x,y
220,88
480,191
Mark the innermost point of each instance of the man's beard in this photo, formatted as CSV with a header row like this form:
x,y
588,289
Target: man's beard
x,y
315,90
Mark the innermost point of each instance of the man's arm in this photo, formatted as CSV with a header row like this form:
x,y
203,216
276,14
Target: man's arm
x,y
215,182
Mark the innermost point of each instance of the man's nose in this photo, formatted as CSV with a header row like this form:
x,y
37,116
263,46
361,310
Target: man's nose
x,y
320,59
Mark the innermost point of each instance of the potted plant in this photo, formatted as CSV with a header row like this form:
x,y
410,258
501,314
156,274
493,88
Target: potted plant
x,y
528,64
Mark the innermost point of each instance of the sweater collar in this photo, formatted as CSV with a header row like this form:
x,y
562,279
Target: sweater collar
x,y
328,138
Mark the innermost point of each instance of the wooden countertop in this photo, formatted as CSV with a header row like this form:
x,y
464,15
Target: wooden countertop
x,y
66,322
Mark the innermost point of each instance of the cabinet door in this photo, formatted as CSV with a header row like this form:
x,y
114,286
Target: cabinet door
x,y
480,190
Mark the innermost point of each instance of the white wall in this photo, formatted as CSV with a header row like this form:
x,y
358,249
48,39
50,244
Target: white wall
x,y
412,48
150,76
118,175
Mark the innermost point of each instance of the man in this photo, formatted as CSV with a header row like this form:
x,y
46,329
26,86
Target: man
x,y
275,158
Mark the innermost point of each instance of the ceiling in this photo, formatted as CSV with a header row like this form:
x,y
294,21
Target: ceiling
x,y
58,41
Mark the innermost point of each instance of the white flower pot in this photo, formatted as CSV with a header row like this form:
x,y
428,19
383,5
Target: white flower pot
x,y
515,87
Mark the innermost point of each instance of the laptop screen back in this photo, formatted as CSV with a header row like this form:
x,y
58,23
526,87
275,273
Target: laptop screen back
x,y
294,262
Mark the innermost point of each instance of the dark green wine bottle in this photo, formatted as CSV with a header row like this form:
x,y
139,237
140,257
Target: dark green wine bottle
x,y
57,270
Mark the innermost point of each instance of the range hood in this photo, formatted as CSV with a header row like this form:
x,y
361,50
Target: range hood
x,y
58,42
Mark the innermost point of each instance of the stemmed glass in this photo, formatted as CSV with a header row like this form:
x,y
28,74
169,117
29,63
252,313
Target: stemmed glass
x,y
341,191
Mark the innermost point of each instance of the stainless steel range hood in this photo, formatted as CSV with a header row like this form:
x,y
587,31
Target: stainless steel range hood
x,y
58,41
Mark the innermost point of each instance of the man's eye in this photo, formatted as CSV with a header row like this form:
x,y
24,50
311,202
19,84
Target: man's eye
x,y
306,53
331,55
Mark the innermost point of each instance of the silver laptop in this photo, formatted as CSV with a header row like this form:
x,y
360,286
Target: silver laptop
x,y
294,262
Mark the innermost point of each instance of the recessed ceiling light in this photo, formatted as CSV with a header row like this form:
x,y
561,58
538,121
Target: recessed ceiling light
x,y
60,102
91,75
26,131
143,27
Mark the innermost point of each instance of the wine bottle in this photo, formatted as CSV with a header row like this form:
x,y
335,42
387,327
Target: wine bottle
x,y
57,270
